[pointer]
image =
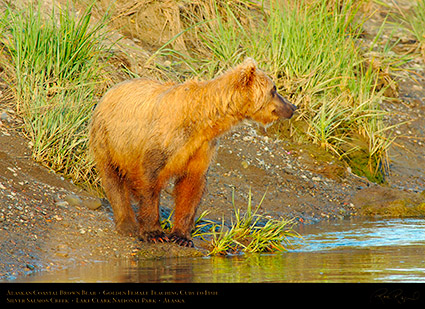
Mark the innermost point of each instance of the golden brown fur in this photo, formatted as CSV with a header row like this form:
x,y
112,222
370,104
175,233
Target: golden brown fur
x,y
144,132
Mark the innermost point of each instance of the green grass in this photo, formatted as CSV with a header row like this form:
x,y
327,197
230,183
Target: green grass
x,y
312,50
250,232
56,64
416,23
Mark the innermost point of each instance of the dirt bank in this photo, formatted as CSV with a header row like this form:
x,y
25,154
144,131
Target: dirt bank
x,y
47,223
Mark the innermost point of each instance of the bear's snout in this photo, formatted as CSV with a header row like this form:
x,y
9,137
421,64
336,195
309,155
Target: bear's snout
x,y
285,109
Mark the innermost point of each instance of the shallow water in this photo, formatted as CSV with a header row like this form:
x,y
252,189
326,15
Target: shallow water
x,y
391,250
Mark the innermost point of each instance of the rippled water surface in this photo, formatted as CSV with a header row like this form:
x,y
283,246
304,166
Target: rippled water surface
x,y
344,251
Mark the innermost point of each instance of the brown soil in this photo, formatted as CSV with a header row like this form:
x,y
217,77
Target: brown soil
x,y
48,223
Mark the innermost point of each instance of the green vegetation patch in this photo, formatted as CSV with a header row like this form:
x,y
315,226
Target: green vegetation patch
x,y
56,64
250,232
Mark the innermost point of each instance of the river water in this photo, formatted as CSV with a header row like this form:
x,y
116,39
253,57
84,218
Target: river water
x,y
390,250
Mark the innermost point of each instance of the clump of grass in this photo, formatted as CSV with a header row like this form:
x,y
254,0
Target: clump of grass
x,y
416,23
56,63
249,233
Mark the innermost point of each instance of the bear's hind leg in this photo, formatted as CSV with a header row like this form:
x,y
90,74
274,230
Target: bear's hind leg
x,y
118,194
148,217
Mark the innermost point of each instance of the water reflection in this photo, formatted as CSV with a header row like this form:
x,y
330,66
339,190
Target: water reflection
x,y
347,251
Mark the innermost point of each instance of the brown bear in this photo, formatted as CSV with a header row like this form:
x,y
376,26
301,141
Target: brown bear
x,y
145,132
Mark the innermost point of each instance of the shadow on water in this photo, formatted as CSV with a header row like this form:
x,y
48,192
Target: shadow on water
x,y
345,251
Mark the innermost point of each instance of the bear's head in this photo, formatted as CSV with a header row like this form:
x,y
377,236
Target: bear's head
x,y
262,103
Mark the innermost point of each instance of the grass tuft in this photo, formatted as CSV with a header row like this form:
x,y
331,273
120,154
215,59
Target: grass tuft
x,y
57,63
415,21
250,232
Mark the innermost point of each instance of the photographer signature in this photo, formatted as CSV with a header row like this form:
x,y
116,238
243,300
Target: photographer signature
x,y
399,296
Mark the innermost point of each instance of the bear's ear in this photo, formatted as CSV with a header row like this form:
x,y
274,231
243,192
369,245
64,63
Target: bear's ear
x,y
247,71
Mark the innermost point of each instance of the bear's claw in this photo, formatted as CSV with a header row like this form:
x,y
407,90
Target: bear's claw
x,y
156,238
159,239
181,241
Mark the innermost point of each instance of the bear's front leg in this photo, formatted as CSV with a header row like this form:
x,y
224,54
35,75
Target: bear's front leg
x,y
188,192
